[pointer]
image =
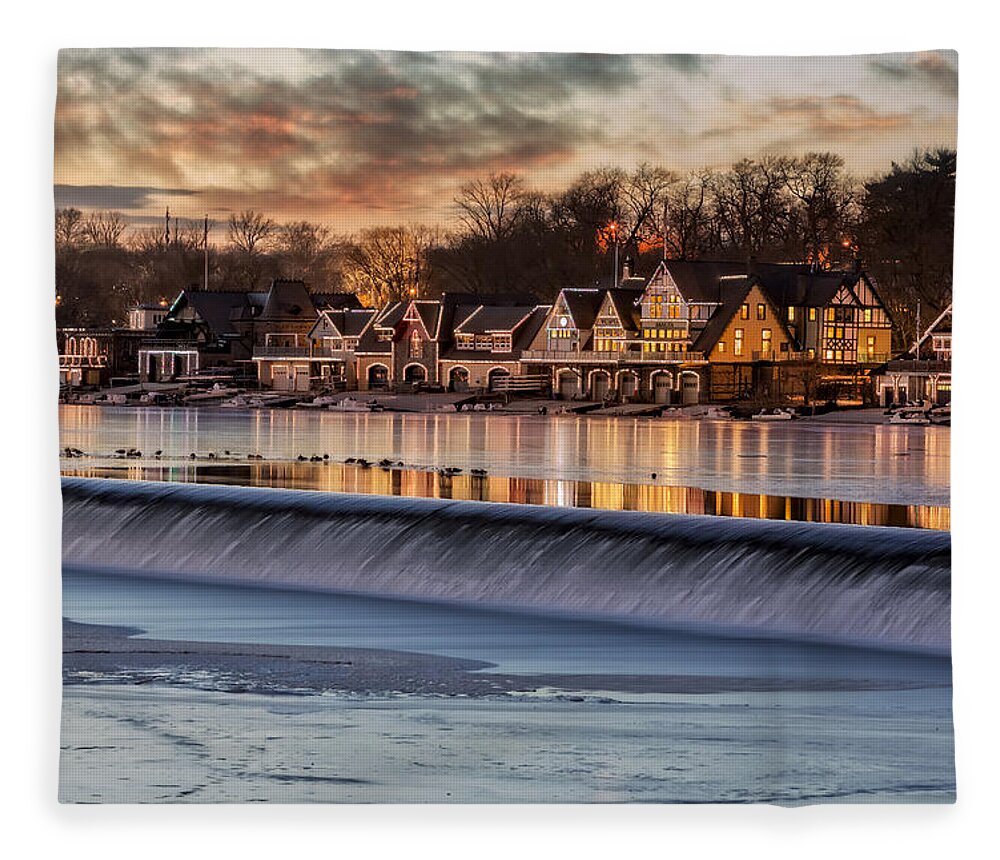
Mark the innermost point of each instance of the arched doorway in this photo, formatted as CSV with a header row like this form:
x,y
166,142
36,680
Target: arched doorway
x,y
497,374
414,373
569,384
600,384
378,376
628,384
690,387
458,379
662,385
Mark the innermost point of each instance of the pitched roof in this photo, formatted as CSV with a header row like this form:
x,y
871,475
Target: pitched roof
x,y
288,300
218,308
626,302
521,340
489,318
731,292
339,301
583,304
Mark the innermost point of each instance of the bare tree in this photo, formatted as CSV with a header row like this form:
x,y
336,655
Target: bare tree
x,y
750,205
69,227
825,197
688,217
104,229
490,208
386,264
249,231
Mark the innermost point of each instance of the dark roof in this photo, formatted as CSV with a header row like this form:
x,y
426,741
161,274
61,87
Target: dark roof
x,y
489,318
339,301
218,308
583,304
355,320
288,300
731,292
626,302
523,336
786,284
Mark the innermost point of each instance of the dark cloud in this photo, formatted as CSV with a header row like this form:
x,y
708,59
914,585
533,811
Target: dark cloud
x,y
355,118
113,197
935,69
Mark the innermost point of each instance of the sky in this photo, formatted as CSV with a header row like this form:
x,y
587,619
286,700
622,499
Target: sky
x,y
356,139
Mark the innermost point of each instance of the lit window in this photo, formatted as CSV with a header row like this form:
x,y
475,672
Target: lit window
x,y
761,312
812,314
738,342
722,346
868,315
765,340
745,312
791,314
830,314
828,355
810,353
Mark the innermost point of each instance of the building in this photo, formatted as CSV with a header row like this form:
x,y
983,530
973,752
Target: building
x,y
93,357
920,375
713,331
457,342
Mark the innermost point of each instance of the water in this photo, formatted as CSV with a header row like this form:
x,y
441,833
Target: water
x,y
530,590
886,464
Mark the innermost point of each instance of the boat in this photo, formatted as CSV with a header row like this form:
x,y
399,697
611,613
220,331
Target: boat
x,y
940,415
776,415
716,414
350,404
910,416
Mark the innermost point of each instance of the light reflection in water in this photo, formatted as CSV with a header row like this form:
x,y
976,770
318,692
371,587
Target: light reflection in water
x,y
340,478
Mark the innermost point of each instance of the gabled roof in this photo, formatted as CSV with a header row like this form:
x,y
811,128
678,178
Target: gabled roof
x,y
288,300
583,304
218,308
733,293
521,340
347,323
489,318
626,302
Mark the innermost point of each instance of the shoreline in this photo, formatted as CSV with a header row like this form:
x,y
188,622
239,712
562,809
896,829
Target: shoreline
x,y
96,654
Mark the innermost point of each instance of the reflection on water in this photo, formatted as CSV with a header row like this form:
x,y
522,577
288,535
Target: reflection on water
x,y
340,478
894,464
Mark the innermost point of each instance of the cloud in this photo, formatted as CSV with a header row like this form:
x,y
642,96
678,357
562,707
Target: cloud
x,y
935,69
113,197
329,134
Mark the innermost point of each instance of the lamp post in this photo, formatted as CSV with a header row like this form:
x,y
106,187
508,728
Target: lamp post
x,y
614,236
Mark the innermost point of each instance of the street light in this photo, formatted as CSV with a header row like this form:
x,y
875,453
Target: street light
x,y
613,226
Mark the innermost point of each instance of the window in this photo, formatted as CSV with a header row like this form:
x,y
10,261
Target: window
x,y
484,341
501,343
765,341
839,332
871,344
738,342
784,346
791,314
867,315
828,355
812,314
722,346
829,314
829,332
810,353
416,345
745,312
467,341
761,312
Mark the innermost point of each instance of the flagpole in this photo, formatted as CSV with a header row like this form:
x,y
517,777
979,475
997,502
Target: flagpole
x,y
206,252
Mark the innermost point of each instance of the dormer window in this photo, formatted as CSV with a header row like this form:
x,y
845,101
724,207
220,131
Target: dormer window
x,y
465,341
502,343
416,345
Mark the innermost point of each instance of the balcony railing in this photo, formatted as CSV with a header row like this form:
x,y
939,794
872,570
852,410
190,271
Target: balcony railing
x,y
281,352
610,357
917,365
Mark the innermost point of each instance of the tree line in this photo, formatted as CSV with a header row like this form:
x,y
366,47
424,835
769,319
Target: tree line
x,y
509,237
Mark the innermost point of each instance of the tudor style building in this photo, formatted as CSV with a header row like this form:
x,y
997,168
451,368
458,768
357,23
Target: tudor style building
x,y
710,331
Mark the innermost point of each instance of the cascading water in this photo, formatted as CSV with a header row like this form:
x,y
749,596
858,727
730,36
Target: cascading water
x,y
870,585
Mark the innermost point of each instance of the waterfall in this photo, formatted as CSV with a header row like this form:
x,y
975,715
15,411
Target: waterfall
x,y
863,585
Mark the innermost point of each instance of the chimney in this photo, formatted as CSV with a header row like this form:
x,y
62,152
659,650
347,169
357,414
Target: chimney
x,y
627,269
